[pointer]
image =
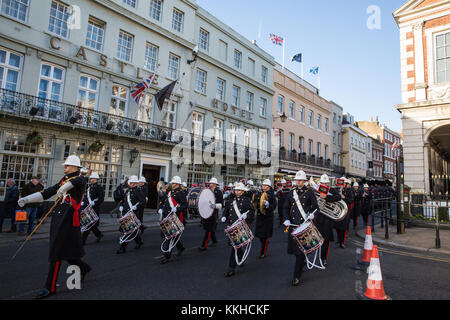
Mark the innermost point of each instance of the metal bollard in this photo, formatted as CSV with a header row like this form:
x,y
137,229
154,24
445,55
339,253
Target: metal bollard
x,y
438,239
382,214
386,225
373,216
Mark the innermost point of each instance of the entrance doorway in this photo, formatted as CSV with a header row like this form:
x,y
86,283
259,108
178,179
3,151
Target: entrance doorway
x,y
152,175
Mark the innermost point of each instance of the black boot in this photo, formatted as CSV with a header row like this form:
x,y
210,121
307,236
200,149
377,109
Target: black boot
x,y
44,293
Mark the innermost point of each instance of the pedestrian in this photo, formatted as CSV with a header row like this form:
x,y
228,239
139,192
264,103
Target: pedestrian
x,y
10,204
94,197
133,200
300,199
31,208
119,193
342,226
65,233
265,216
282,194
210,224
240,208
366,204
356,204
143,186
175,203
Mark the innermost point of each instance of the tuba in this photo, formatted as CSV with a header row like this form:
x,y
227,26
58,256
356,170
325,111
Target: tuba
x,y
264,197
334,210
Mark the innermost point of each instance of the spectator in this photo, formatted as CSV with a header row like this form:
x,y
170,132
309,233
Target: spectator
x,y
10,204
32,208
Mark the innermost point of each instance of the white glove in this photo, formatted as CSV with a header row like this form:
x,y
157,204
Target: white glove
x,y
267,204
244,216
224,219
160,211
64,189
311,217
174,210
82,203
212,206
32,198
92,203
133,208
218,206
121,209
287,223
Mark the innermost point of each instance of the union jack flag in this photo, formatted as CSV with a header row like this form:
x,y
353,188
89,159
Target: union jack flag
x,y
136,92
276,39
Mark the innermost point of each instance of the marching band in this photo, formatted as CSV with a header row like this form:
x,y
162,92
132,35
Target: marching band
x,y
308,212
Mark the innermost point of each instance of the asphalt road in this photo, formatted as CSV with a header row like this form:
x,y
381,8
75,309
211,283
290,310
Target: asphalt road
x,y
200,275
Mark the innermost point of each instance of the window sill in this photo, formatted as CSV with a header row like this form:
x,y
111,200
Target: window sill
x,y
25,24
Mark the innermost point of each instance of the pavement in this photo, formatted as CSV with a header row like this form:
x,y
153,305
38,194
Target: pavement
x,y
414,238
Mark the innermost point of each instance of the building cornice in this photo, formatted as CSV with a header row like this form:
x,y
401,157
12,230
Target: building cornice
x,y
404,14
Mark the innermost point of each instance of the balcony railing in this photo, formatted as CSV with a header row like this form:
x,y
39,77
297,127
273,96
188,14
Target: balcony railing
x,y
305,159
24,105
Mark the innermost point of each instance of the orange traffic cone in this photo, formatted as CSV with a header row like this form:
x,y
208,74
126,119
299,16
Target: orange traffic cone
x,y
375,289
368,245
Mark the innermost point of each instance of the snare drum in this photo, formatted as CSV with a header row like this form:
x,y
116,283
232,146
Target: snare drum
x,y
88,218
129,223
308,237
171,226
239,234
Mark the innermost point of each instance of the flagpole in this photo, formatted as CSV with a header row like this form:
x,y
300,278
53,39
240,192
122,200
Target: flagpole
x,y
284,46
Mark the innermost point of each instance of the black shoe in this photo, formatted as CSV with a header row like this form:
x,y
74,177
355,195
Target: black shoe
x,y
180,252
342,246
230,273
99,238
324,262
262,256
44,293
83,276
242,265
296,282
164,261
121,250
139,245
202,249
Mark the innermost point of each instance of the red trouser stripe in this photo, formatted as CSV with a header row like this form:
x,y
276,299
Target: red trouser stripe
x,y
207,240
55,275
328,251
265,247
345,236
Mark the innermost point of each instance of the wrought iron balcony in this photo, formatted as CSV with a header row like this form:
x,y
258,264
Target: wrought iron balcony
x,y
38,109
302,158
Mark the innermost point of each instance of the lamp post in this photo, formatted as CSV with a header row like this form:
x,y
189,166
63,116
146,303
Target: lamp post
x,y
282,117
133,156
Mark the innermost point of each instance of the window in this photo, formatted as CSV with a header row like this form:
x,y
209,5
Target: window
x,y
247,138
301,144
310,118
262,107
177,20
291,142
169,111
155,9
319,149
238,59
51,82
262,139
319,122
264,72
251,67
131,3
301,111
124,46
250,101
10,70
59,16
326,156
221,86
281,141
203,40
95,34
334,137
223,50
88,92
119,100
280,107
233,133
339,139
145,108
334,159
291,110
236,99
327,129
17,9
151,57
197,124
174,67
310,147
218,129
200,81
443,58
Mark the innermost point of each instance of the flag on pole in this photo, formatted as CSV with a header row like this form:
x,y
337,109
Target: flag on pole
x,y
314,70
164,94
277,40
136,92
394,146
297,57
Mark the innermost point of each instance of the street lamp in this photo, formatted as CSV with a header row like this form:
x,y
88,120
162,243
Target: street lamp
x,y
283,118
133,156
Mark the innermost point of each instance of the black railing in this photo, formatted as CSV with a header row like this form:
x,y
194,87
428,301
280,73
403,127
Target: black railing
x,y
24,105
302,158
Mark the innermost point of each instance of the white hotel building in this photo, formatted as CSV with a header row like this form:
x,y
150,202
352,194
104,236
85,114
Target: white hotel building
x,y
67,69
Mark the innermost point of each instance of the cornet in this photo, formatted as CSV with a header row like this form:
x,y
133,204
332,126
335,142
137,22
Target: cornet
x,y
334,210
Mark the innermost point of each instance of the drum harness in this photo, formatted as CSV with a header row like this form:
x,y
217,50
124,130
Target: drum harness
x,y
128,238
249,246
309,264
174,241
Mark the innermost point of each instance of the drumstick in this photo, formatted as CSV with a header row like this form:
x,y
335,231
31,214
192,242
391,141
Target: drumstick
x,y
37,227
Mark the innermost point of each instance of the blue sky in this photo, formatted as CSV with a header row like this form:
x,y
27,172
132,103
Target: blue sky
x,y
359,68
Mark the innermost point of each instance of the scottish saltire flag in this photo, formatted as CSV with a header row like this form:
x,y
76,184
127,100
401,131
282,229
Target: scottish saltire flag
x,y
297,57
314,70
137,91
276,39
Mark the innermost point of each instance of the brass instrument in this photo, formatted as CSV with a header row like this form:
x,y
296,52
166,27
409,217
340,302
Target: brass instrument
x,y
336,211
264,197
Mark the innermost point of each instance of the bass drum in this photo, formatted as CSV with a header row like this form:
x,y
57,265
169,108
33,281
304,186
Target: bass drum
x,y
192,199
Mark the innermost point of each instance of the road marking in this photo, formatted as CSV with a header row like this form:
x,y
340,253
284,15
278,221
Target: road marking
x,y
407,254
